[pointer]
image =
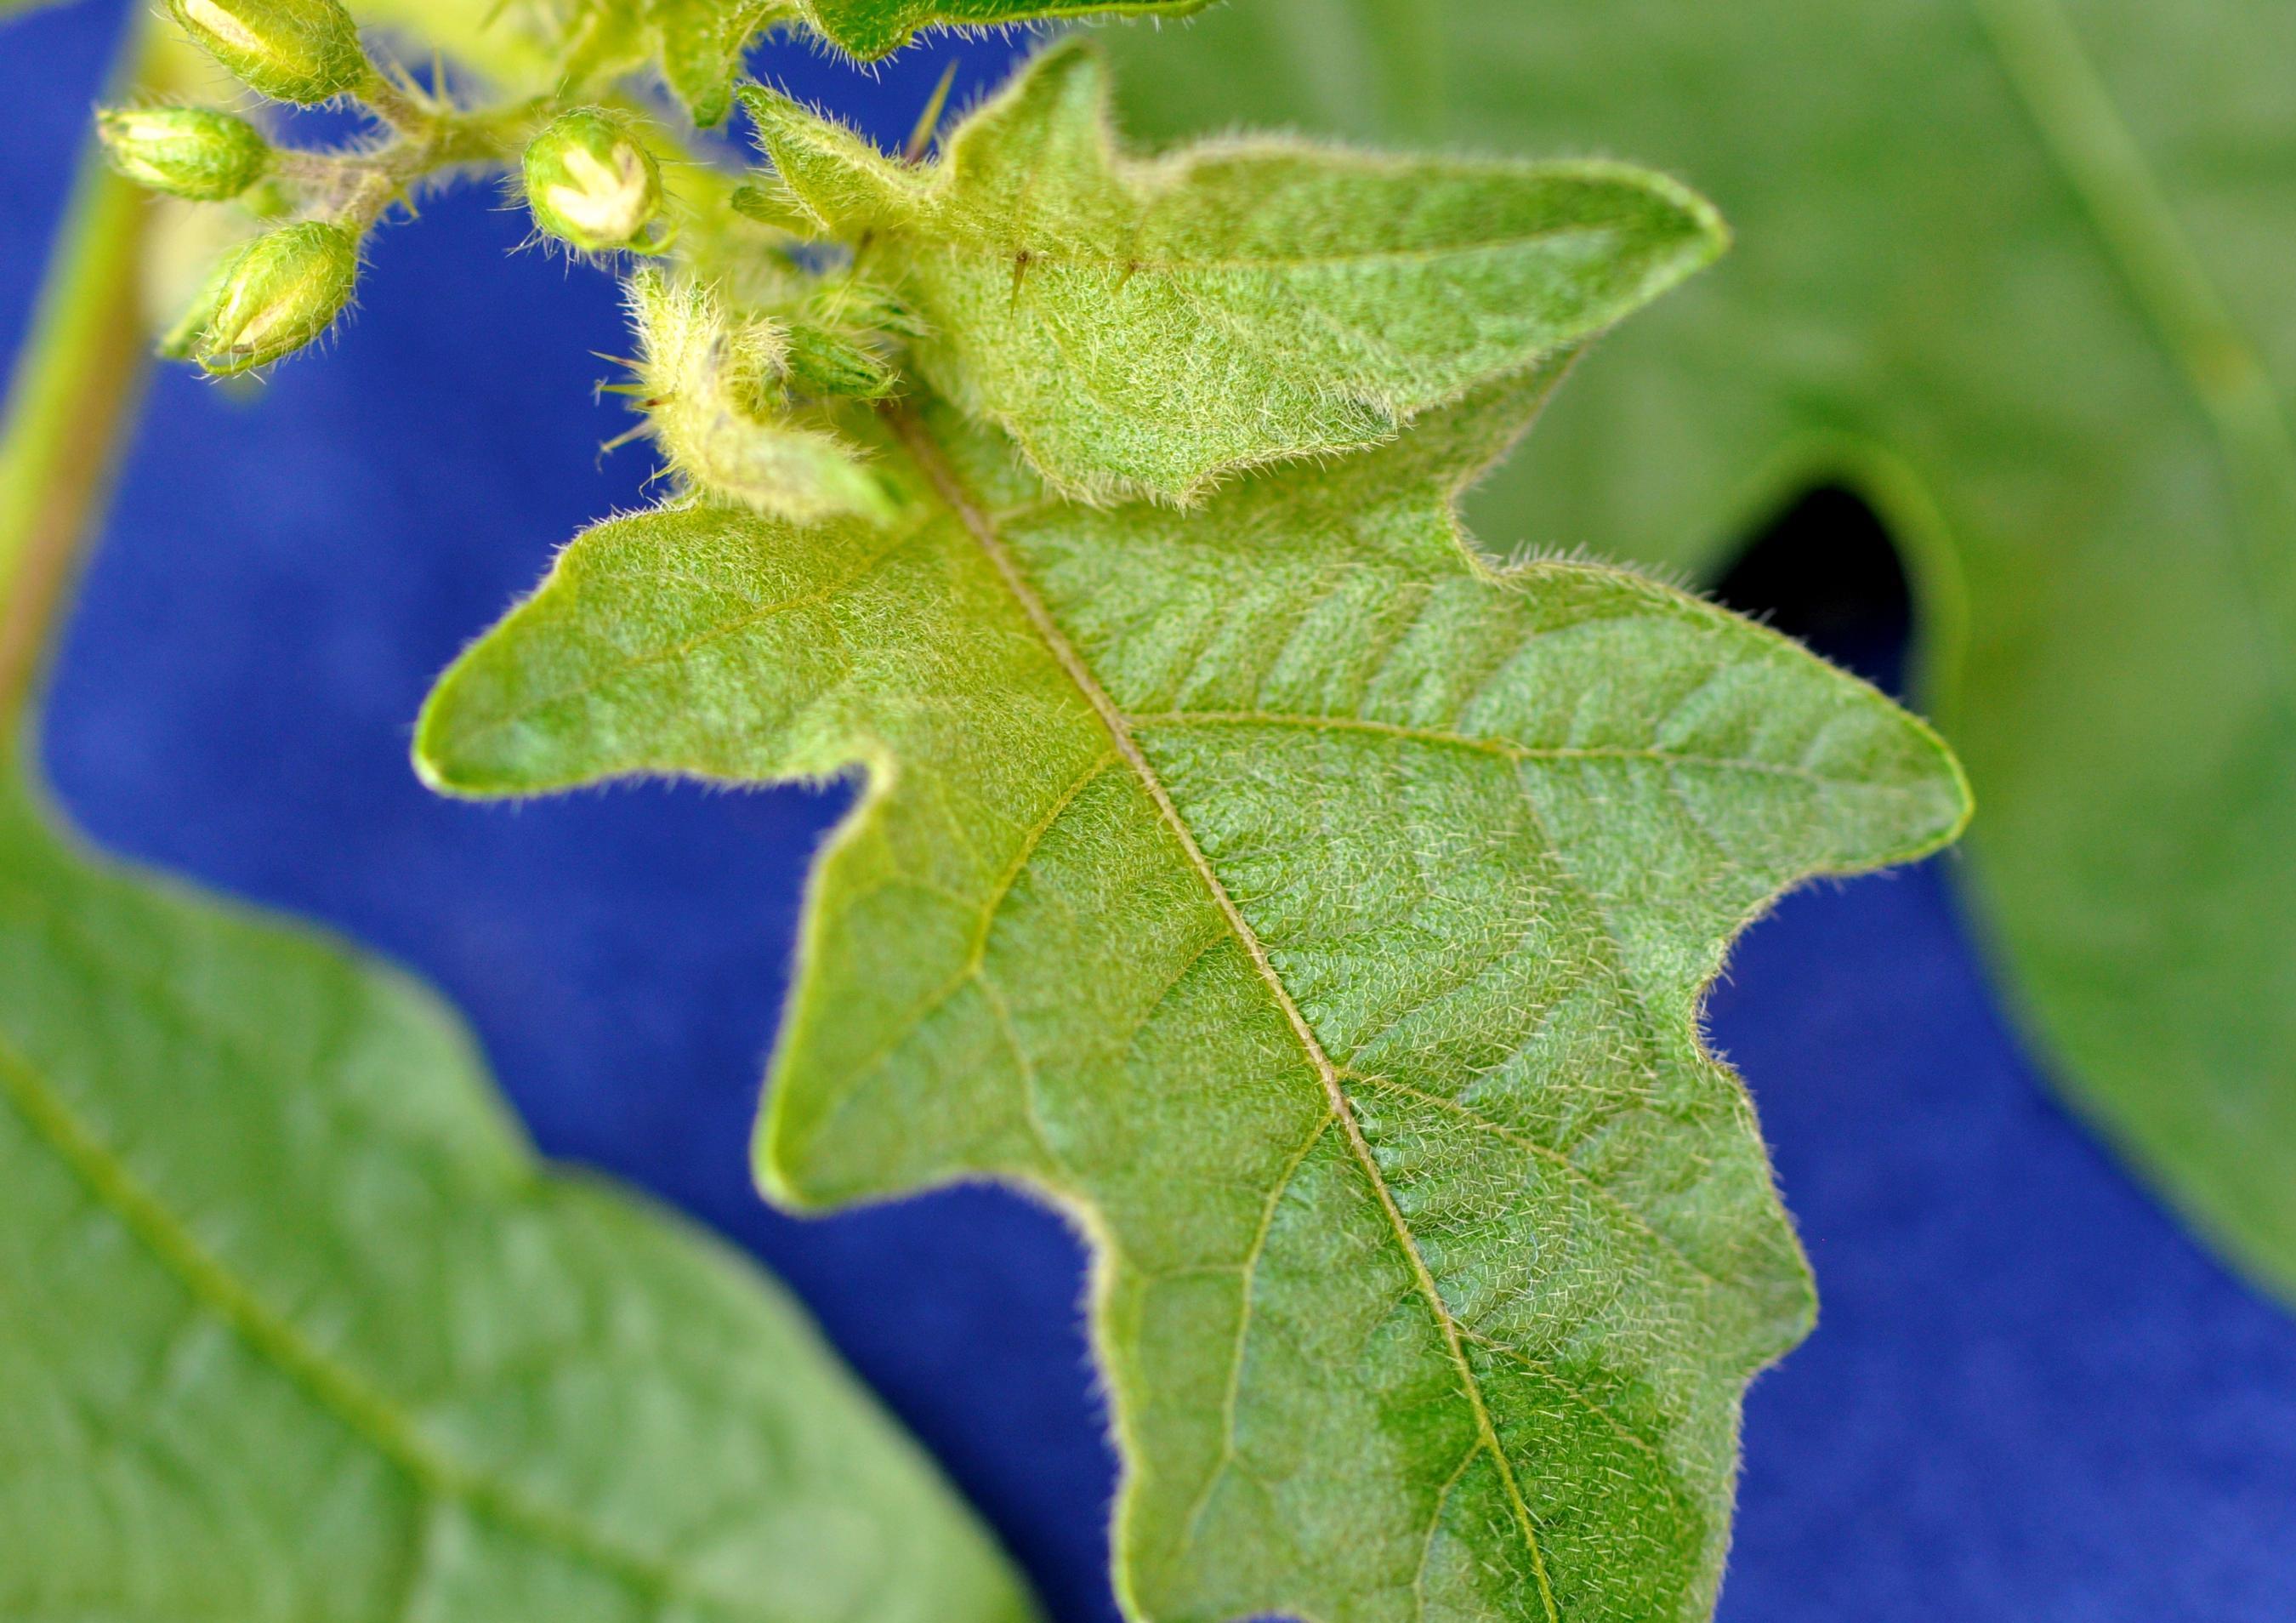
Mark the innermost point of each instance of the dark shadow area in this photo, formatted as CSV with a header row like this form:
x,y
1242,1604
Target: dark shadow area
x,y
1824,572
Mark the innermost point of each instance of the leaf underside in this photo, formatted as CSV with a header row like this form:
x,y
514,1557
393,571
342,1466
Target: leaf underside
x,y
1319,915
2019,275
297,1328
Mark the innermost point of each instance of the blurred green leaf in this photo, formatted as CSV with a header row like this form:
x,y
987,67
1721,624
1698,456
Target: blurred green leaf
x,y
294,1326
2020,275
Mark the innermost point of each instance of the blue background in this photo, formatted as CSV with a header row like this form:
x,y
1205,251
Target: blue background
x,y
2029,1398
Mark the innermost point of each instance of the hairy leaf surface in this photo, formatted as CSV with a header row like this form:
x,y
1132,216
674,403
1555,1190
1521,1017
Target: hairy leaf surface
x,y
1143,328
1318,914
2018,272
871,28
294,1326
700,43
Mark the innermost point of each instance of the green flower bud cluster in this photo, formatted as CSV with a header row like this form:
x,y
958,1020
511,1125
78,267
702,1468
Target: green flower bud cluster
x,y
193,151
302,51
271,298
591,182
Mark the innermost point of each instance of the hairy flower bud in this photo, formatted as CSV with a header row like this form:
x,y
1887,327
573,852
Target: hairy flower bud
x,y
589,181
193,151
302,51
281,291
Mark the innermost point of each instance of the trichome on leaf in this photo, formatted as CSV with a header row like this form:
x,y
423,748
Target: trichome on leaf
x,y
1316,912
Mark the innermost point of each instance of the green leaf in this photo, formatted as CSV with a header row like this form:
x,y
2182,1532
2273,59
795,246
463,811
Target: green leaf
x,y
1318,914
702,43
871,28
294,1326
1145,328
2019,275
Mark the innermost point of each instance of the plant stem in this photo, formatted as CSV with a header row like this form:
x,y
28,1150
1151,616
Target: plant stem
x,y
68,408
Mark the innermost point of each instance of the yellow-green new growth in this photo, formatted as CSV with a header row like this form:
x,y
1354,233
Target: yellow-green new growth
x,y
716,399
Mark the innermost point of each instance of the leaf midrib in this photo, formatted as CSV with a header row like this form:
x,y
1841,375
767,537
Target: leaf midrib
x,y
369,1414
943,478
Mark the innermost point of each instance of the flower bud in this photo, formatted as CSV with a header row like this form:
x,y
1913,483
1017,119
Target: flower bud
x,y
304,51
820,362
589,182
281,291
193,151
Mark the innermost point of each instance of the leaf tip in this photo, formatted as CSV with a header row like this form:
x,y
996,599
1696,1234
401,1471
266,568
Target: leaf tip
x,y
773,1160
465,749
1958,799
1701,235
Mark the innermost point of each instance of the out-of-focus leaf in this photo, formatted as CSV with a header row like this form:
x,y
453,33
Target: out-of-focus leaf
x,y
294,1326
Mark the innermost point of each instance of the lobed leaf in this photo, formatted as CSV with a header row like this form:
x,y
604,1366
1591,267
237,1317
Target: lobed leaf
x,y
1322,917
1144,328
294,1326
2017,273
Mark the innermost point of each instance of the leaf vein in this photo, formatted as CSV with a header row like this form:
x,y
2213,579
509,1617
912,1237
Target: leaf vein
x,y
944,479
